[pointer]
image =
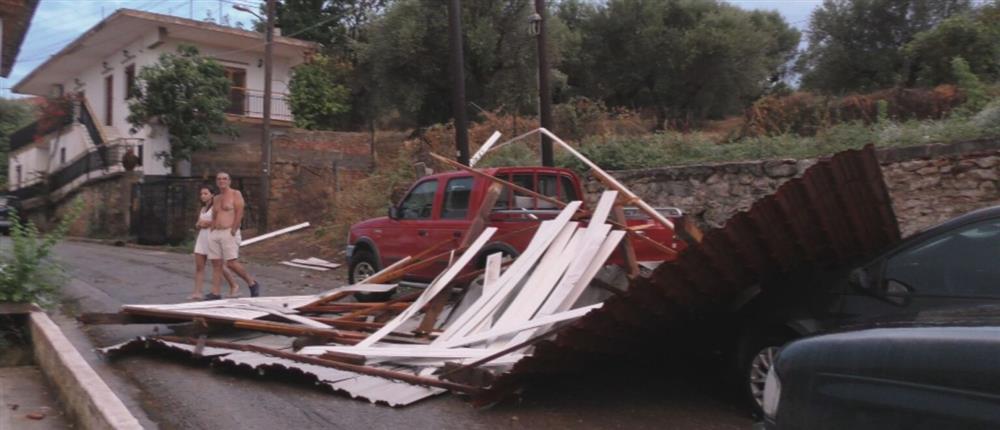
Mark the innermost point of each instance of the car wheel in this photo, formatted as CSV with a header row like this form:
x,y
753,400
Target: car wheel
x,y
364,265
758,352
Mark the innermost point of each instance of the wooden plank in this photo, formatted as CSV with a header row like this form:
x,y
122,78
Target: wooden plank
x,y
313,261
628,250
416,351
304,266
486,305
493,263
280,232
539,284
611,182
433,289
482,217
562,300
522,326
484,149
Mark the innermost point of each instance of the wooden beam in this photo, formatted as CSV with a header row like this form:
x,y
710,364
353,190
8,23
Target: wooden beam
x,y
628,250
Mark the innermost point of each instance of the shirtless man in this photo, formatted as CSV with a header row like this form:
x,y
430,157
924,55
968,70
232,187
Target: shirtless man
x,y
223,238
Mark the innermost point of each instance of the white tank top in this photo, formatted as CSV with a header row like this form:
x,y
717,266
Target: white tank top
x,y
206,215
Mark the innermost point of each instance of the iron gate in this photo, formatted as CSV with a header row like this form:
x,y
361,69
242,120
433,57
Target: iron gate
x,y
164,211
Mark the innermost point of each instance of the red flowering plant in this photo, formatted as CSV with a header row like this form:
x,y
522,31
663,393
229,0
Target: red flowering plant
x,y
54,114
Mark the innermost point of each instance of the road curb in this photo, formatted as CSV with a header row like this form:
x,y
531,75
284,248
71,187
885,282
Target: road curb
x,y
86,397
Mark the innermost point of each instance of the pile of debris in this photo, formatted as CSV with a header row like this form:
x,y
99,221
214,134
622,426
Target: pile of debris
x,y
539,312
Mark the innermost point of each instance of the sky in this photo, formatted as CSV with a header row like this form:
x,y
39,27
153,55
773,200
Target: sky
x,y
58,22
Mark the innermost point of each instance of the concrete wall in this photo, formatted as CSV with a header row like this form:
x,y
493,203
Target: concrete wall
x,y
928,183
106,210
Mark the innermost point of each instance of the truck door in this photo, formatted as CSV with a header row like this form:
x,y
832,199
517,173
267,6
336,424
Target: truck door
x,y
454,219
409,233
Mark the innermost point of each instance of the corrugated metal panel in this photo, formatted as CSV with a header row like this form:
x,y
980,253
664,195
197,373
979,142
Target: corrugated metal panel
x,y
837,212
371,388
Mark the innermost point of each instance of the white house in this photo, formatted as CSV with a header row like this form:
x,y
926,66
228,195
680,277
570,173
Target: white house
x,y
101,66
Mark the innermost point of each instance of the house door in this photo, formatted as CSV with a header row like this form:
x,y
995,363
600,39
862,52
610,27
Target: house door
x,y
237,91
109,89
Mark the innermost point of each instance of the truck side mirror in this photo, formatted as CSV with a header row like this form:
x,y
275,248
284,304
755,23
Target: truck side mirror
x,y
393,212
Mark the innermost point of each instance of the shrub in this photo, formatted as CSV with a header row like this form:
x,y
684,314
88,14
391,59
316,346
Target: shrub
x,y
27,274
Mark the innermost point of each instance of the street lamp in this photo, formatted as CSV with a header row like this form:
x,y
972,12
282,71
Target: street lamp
x,y
534,25
242,8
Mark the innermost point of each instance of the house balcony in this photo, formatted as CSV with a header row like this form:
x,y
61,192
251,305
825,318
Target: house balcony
x,y
247,105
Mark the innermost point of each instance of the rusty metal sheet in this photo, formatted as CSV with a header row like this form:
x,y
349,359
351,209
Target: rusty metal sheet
x,y
838,211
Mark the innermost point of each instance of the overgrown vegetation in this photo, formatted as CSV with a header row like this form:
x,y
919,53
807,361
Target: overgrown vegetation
x,y
27,273
186,93
316,99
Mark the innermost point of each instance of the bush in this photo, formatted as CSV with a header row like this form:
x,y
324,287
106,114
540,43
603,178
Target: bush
x,y
806,114
27,274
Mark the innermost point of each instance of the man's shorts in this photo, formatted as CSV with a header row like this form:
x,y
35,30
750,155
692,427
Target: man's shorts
x,y
222,245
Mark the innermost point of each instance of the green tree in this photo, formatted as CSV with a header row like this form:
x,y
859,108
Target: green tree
x,y
973,37
687,60
857,45
186,93
408,58
974,90
317,100
341,27
14,114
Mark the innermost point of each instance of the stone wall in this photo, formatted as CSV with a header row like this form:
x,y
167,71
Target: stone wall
x,y
310,167
928,183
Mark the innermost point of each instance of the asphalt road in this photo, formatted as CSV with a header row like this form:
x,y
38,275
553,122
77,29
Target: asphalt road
x,y
170,394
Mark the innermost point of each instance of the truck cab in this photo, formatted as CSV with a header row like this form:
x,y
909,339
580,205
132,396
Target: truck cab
x,y
440,208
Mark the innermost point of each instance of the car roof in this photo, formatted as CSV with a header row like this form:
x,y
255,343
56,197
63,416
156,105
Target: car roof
x,y
968,218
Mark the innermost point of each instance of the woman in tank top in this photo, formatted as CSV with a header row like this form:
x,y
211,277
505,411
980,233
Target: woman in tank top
x,y
205,195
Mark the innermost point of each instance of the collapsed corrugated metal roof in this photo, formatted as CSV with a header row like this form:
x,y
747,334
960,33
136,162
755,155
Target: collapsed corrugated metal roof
x,y
839,210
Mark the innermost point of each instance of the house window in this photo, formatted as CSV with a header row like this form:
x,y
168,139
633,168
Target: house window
x,y
109,91
129,81
237,91
18,176
62,155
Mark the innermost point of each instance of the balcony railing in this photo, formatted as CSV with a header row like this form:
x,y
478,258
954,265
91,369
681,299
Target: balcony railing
x,y
97,162
247,102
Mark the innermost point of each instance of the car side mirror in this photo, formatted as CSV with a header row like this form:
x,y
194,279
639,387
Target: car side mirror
x,y
393,212
897,293
860,279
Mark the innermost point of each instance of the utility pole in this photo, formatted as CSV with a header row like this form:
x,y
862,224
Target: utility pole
x,y
544,95
458,80
265,153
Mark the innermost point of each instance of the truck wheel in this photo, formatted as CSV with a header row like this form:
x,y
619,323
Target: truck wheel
x,y
363,265
757,353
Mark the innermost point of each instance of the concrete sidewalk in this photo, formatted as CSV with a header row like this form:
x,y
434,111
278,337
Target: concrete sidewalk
x,y
27,402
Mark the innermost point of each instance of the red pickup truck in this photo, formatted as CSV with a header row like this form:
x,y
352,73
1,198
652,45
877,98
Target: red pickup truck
x,y
441,207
